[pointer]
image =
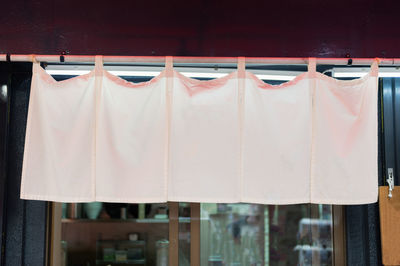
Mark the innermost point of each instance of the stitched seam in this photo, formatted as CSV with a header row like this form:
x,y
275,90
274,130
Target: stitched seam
x,y
168,94
98,86
312,153
241,125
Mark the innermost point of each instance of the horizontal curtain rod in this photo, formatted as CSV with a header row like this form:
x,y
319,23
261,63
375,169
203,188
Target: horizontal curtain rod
x,y
192,59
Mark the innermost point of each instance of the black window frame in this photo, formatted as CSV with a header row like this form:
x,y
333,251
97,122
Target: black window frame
x,y
24,223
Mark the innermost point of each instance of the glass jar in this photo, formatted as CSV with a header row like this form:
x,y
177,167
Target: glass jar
x,y
162,252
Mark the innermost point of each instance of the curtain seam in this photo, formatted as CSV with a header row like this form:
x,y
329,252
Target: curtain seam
x,y
169,79
312,70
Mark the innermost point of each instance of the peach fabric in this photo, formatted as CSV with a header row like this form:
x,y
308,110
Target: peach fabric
x,y
277,141
59,143
345,143
98,137
204,154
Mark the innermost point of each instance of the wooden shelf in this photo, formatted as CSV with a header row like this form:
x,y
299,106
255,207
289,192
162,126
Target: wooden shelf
x,y
119,241
102,262
146,221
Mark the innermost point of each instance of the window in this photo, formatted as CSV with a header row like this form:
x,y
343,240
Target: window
x,y
211,234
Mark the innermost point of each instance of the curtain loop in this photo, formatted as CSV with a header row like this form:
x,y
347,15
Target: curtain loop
x,y
375,67
169,66
34,60
98,64
35,64
312,65
241,66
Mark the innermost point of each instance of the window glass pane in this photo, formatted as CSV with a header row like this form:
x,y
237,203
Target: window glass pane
x,y
184,234
113,233
253,235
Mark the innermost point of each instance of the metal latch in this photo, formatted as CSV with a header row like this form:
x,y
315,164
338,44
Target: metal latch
x,y
390,181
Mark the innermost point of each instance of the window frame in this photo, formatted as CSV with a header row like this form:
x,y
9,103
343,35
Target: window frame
x,y
355,228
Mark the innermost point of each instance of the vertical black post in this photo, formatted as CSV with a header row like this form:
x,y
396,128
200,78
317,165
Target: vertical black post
x,y
24,229
4,114
362,221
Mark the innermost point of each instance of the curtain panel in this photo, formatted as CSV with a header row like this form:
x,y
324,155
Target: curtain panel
x,y
97,137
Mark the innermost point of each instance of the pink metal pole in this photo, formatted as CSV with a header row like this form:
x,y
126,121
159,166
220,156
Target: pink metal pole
x,y
190,59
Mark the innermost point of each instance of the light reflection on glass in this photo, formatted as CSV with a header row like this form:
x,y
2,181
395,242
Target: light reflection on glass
x,y
255,235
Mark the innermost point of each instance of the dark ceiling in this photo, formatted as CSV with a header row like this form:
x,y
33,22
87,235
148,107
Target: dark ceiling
x,y
360,28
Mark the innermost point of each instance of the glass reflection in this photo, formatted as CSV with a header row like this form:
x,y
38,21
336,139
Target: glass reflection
x,y
255,235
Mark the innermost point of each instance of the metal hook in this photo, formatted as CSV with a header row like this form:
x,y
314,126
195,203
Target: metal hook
x,y
390,181
62,57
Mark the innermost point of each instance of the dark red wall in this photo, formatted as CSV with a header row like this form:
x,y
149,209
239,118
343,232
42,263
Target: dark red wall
x,y
361,28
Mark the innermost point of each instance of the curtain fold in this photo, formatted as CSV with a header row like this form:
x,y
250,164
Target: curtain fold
x,y
98,137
